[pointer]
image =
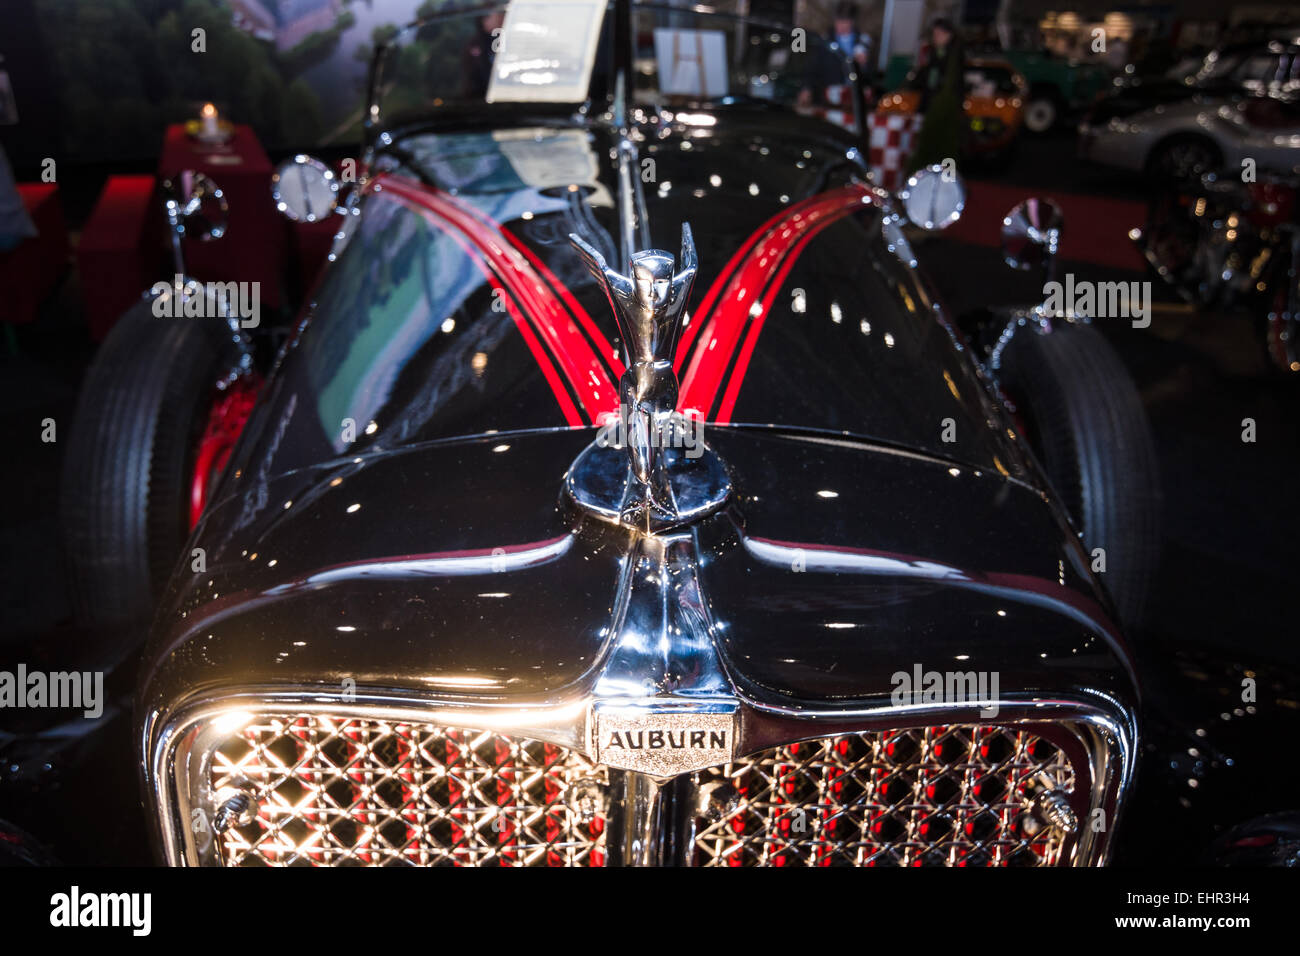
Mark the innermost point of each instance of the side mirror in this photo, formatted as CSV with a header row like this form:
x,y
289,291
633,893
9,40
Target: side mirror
x,y
933,198
196,207
1031,235
304,189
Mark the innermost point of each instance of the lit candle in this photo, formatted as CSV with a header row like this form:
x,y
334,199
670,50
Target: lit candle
x,y
210,129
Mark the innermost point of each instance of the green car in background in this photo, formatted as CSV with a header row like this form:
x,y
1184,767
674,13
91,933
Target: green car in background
x,y
1057,86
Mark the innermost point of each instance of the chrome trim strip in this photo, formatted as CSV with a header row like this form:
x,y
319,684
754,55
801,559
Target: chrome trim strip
x,y
664,634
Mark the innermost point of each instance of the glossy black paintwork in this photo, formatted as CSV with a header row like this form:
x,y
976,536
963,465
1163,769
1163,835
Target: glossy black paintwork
x,y
373,560
1010,592
357,578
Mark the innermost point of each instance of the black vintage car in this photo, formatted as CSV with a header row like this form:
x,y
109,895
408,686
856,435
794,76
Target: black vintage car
x,y
537,544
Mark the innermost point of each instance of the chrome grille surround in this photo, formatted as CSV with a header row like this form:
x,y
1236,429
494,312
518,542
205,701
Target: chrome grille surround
x,y
931,796
188,773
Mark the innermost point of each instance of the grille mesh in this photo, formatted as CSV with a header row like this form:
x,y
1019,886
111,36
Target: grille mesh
x,y
339,792
934,796
347,791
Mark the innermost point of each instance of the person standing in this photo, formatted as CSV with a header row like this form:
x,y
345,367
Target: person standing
x,y
854,47
477,57
938,78
15,224
845,52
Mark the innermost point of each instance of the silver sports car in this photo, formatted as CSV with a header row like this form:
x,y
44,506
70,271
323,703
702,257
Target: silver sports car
x,y
1186,139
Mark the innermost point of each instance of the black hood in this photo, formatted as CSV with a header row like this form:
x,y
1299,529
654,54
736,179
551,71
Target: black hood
x,y
454,568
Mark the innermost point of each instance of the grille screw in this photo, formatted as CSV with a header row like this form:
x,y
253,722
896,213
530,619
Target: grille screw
x,y
1054,807
717,800
587,799
234,808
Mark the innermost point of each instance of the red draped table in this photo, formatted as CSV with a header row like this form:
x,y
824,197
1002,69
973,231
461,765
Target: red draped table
x,y
29,271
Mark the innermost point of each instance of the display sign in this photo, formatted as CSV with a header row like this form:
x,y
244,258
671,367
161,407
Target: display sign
x,y
545,51
692,62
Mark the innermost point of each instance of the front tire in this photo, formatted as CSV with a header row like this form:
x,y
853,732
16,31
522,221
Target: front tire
x,y
1041,112
127,471
1084,420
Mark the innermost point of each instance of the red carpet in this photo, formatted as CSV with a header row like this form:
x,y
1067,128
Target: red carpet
x,y
1096,229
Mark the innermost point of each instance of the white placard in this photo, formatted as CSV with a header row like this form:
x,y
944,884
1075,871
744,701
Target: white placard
x,y
547,50
691,62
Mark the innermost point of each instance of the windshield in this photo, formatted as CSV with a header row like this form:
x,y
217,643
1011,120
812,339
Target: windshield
x,y
559,55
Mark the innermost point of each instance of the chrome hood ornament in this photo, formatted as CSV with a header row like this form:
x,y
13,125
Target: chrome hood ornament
x,y
667,477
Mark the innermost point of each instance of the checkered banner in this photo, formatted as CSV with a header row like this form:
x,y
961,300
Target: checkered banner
x,y
889,144
840,108
890,136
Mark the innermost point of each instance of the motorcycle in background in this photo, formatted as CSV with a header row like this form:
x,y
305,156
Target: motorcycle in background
x,y
1226,244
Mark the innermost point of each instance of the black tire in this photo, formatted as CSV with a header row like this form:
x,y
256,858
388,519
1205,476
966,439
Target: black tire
x,y
1182,159
1043,110
1085,422
126,473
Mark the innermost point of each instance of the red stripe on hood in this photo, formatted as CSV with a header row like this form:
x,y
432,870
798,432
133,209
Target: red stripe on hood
x,y
756,326
753,274
576,359
584,318
571,414
723,332
706,304
552,280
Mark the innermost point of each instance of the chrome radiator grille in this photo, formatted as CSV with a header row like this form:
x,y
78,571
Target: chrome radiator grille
x,y
339,792
934,796
329,791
